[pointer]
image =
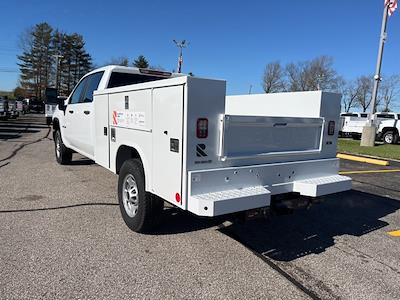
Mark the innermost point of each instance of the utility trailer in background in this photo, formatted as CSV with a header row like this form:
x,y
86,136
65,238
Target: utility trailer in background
x,y
183,141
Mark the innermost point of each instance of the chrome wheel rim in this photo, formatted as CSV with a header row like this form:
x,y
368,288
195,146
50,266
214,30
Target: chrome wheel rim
x,y
130,196
58,147
389,138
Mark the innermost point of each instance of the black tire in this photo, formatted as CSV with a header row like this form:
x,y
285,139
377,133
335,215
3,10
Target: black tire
x,y
142,212
63,155
390,137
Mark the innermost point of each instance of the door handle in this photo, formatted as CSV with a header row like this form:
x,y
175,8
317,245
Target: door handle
x,y
71,111
86,112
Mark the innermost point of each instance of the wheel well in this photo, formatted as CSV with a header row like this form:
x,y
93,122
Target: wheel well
x,y
386,129
124,153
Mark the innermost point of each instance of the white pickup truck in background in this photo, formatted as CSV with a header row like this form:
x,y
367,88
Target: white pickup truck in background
x,y
387,126
3,108
13,111
179,139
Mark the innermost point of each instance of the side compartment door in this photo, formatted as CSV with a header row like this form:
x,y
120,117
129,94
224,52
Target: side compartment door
x,y
167,142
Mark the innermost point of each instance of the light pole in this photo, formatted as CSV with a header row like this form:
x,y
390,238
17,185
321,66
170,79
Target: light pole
x,y
180,44
369,130
58,57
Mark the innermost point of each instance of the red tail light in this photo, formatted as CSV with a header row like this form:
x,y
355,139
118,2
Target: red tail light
x,y
202,128
331,128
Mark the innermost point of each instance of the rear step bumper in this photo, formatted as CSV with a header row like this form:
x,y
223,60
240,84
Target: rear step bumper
x,y
320,186
228,190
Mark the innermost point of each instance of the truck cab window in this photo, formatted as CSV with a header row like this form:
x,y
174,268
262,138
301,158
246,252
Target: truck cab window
x,y
385,116
121,79
76,96
92,85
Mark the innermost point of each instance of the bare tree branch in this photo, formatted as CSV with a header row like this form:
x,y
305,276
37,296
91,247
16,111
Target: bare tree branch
x,y
273,79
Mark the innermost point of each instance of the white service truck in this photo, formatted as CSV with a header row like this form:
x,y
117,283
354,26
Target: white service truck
x,y
387,126
50,104
179,139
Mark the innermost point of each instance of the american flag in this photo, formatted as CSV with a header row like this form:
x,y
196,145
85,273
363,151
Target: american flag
x,y
391,5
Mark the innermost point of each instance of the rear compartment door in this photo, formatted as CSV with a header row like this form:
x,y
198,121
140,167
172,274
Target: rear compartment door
x,y
167,142
256,136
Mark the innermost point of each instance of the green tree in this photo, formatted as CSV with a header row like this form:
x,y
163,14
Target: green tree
x,y
141,62
35,62
51,58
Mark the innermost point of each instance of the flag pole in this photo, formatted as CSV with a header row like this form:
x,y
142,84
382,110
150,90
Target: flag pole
x,y
369,131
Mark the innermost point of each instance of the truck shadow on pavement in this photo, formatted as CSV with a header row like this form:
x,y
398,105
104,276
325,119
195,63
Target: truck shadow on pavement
x,y
174,221
14,129
312,231
56,208
81,162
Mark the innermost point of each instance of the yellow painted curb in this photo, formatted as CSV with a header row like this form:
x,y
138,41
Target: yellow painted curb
x,y
368,171
363,159
394,233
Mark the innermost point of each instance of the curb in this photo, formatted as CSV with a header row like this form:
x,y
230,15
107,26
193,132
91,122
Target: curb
x,y
363,159
371,156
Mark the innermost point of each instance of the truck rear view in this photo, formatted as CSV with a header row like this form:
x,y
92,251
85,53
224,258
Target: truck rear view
x,y
180,139
214,155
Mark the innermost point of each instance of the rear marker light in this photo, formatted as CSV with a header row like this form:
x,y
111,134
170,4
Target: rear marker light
x,y
202,128
331,128
177,197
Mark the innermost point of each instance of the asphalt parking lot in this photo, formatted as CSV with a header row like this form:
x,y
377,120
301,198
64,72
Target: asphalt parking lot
x,y
62,237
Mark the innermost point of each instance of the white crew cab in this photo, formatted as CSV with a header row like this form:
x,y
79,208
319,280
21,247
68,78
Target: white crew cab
x,y
179,139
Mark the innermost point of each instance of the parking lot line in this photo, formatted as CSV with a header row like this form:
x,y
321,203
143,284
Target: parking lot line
x,y
394,233
368,171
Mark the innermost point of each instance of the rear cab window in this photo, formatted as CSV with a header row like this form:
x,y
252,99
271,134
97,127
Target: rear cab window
x,y
348,115
385,116
120,79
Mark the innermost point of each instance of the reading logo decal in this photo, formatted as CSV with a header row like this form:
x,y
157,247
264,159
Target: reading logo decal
x,y
200,150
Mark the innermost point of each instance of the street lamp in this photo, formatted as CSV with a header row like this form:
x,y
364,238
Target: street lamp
x,y
180,44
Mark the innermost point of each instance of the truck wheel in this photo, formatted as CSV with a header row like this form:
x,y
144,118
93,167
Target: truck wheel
x,y
140,210
63,154
390,137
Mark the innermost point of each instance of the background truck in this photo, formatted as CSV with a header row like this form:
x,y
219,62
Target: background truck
x,y
12,109
387,126
50,104
180,139
3,108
